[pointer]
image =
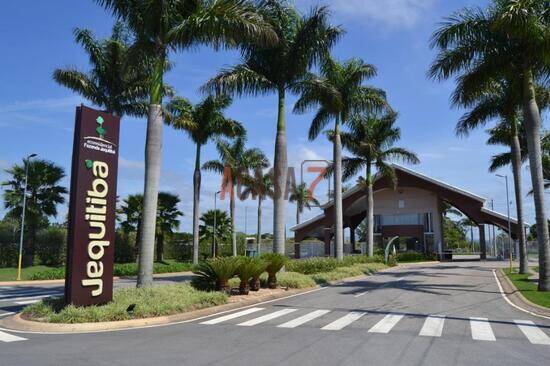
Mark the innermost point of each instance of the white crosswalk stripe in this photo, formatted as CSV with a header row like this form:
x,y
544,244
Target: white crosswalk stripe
x,y
344,321
481,329
265,318
304,319
533,333
232,316
433,326
27,302
6,337
386,324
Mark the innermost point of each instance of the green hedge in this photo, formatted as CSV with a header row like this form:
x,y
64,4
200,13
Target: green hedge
x,y
346,272
120,270
321,265
414,257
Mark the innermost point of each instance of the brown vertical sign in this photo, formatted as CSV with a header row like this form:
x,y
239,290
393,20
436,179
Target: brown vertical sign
x,y
91,233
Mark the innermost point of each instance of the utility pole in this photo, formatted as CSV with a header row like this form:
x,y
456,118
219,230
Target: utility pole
x,y
215,228
26,162
509,224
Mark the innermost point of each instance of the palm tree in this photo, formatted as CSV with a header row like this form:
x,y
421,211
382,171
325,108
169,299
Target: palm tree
x,y
131,209
223,228
202,122
303,198
167,219
338,93
370,139
259,185
499,99
44,193
116,81
303,40
465,223
510,38
235,163
161,26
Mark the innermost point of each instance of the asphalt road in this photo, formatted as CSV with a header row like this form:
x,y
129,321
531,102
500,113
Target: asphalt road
x,y
445,314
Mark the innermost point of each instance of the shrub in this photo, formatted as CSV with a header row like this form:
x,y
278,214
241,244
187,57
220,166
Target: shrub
x,y
125,251
414,257
215,273
249,271
275,262
294,280
50,274
321,265
50,245
8,244
149,302
345,272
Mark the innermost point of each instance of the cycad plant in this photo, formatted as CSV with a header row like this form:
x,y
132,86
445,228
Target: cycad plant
x,y
164,26
215,273
249,270
202,122
480,47
303,41
275,262
303,198
235,163
338,93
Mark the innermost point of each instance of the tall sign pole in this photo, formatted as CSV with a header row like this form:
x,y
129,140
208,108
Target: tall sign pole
x,y
91,232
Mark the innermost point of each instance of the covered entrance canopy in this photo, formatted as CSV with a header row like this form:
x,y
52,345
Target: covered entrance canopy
x,y
426,193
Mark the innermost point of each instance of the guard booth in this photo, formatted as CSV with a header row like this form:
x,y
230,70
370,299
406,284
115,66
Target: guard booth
x,y
251,247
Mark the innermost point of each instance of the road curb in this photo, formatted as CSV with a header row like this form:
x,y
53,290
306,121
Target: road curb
x,y
510,293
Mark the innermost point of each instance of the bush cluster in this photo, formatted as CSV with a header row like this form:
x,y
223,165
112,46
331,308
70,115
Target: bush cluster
x,y
218,273
414,257
321,265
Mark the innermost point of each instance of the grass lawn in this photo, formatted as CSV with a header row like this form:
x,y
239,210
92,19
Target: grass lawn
x,y
121,270
149,302
529,288
10,274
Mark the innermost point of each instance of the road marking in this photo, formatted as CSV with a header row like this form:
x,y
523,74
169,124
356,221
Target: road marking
x,y
481,329
6,337
304,319
28,295
533,333
6,314
232,316
264,318
510,302
433,326
344,321
27,302
14,299
386,324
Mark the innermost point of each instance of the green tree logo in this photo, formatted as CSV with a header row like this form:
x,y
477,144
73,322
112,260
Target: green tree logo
x,y
89,163
100,130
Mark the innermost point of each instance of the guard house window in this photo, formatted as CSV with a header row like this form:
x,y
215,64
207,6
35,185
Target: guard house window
x,y
403,219
428,223
377,224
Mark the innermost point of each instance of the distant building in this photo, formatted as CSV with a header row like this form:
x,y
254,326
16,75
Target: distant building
x,y
413,212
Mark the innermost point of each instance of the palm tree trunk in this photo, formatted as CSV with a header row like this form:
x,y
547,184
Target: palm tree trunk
x,y
532,126
196,203
153,156
280,176
370,213
259,226
233,228
297,213
516,171
338,212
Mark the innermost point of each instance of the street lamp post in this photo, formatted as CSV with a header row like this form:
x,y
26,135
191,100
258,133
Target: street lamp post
x,y
215,228
26,162
509,224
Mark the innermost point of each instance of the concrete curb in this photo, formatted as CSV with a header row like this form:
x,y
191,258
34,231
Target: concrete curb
x,y
515,296
17,323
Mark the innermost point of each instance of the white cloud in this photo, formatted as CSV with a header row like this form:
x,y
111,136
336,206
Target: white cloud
x,y
40,104
389,13
130,164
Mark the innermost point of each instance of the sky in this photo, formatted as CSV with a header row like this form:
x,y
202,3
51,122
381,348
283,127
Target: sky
x,y
37,115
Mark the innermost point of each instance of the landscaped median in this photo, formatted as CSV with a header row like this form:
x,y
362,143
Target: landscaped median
x,y
528,288
221,284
